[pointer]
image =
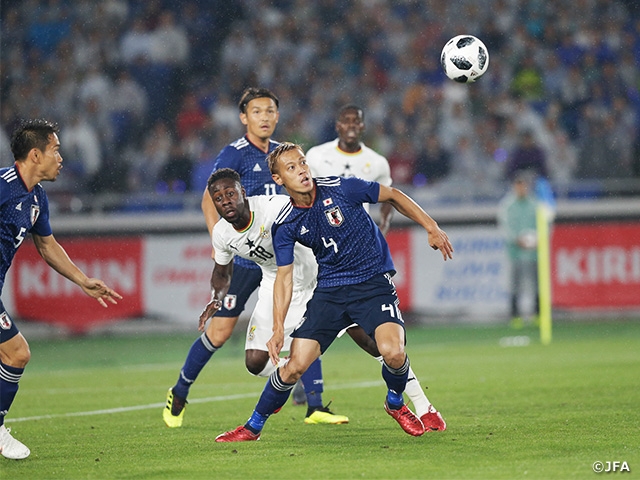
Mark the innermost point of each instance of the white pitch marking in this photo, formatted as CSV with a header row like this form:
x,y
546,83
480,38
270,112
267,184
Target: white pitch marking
x,y
149,406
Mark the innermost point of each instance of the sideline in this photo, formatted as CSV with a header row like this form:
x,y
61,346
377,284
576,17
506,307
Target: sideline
x,y
224,398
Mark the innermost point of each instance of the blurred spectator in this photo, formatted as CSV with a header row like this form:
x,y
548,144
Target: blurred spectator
x,y
82,151
402,162
526,156
602,153
191,117
175,175
129,106
63,57
169,42
146,167
433,163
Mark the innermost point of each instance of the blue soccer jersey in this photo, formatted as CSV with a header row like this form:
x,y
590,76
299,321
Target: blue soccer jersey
x,y
336,227
22,211
251,163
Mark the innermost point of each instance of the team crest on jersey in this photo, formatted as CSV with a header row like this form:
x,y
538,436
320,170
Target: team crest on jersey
x,y
5,321
35,212
264,233
252,332
230,302
335,217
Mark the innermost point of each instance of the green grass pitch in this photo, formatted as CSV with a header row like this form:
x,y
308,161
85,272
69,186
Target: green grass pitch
x,y
91,408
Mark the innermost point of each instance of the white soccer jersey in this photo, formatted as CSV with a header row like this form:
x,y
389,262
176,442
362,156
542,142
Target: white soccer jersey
x,y
254,243
328,160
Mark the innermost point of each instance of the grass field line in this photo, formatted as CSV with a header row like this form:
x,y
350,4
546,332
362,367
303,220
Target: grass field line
x,y
222,398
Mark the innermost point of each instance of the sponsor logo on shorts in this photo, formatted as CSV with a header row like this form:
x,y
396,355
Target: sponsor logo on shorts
x,y
5,321
230,302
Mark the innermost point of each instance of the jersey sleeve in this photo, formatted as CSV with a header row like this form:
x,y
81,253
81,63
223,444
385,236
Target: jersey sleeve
x,y
361,191
384,172
223,254
229,157
42,226
283,244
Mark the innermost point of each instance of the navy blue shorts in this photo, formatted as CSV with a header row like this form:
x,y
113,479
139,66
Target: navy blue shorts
x,y
8,329
243,283
369,304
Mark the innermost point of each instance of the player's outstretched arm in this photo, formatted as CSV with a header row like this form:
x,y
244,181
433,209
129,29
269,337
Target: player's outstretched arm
x,y
210,213
386,214
404,204
220,281
56,257
282,292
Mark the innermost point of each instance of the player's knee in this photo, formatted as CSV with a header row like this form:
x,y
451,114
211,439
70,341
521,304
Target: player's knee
x,y
256,361
364,341
18,357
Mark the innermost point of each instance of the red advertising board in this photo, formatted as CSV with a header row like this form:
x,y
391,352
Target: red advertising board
x,y
40,293
596,265
400,247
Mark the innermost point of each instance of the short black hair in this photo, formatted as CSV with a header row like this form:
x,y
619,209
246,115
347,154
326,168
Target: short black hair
x,y
350,107
35,133
252,93
223,173
276,153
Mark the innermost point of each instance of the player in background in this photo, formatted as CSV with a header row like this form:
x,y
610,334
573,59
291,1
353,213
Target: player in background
x,y
348,156
354,281
248,156
246,232
517,221
24,209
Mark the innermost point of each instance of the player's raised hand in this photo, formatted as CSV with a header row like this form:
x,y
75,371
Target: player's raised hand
x,y
275,345
439,240
209,311
98,289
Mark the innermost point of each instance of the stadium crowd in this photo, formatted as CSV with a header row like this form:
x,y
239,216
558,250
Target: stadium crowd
x,y
145,92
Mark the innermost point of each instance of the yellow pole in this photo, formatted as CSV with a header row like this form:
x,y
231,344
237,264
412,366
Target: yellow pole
x,y
544,274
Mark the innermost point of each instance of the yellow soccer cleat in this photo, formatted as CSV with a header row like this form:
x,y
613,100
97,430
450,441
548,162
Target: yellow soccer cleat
x,y
320,415
174,410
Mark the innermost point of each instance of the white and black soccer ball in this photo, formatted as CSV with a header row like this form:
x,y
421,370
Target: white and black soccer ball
x,y
464,58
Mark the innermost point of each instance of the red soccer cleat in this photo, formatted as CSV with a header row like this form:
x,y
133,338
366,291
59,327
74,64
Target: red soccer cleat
x,y
240,434
433,421
407,420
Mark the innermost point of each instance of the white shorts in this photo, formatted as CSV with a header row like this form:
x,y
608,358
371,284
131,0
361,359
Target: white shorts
x,y
260,328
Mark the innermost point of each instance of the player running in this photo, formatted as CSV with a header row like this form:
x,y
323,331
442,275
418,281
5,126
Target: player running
x,y
354,281
24,209
245,232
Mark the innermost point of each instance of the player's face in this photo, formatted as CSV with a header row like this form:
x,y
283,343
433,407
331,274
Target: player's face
x,y
293,172
350,127
228,198
51,160
261,118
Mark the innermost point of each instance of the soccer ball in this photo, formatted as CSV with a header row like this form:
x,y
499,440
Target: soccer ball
x,y
464,58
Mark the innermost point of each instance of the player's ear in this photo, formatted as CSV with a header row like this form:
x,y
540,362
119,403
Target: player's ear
x,y
276,178
243,118
34,155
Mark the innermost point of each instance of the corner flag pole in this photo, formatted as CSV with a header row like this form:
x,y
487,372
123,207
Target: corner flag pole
x,y
544,274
